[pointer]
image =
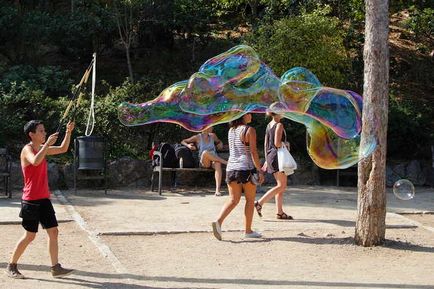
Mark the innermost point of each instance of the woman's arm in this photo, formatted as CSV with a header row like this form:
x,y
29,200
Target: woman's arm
x,y
190,142
217,142
278,135
251,136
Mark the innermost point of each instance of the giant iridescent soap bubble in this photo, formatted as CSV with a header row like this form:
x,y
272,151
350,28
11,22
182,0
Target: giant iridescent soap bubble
x,y
237,82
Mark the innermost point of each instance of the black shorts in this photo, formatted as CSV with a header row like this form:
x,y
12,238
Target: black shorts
x,y
241,177
35,212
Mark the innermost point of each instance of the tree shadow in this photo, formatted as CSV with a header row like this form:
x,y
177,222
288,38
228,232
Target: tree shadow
x,y
10,203
90,198
342,223
392,244
189,280
102,285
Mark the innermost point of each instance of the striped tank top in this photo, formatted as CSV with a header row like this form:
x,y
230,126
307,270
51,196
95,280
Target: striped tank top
x,y
240,158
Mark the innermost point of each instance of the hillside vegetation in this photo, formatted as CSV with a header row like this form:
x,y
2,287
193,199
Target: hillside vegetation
x,y
45,47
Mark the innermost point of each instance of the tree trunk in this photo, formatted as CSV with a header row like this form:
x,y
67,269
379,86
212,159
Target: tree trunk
x,y
371,203
130,68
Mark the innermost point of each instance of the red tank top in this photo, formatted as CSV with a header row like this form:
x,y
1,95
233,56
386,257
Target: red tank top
x,y
36,181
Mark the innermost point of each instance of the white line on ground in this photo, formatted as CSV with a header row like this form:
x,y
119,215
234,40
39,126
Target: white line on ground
x,y
92,235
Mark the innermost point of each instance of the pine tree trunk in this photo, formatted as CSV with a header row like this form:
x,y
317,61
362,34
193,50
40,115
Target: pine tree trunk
x,y
371,205
130,67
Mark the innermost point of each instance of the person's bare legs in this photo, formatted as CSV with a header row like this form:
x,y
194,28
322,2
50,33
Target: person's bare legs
x,y
278,190
250,193
218,177
207,157
21,246
282,182
53,245
233,200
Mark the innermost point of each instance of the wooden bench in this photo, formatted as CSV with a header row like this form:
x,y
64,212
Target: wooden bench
x,y
160,169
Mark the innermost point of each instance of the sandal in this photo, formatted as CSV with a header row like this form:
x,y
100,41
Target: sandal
x,y
258,208
284,216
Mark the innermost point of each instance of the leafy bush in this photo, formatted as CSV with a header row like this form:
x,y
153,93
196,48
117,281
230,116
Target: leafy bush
x,y
122,140
312,40
421,22
408,133
51,80
89,29
23,34
21,103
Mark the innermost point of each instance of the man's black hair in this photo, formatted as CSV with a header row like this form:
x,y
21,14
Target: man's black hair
x,y
31,127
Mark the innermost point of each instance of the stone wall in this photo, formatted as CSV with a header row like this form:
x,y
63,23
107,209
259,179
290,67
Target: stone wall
x,y
128,172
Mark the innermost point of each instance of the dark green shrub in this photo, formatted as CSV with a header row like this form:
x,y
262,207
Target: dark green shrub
x,y
312,40
52,80
87,30
421,22
410,132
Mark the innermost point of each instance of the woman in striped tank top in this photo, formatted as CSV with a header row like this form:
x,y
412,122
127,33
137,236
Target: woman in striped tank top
x,y
243,162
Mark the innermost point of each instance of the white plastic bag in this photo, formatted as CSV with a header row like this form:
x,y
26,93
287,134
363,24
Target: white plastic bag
x,y
287,163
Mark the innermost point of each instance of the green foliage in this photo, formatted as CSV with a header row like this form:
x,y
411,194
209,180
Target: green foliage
x,y
409,135
122,140
28,92
51,80
312,40
399,5
23,33
89,29
421,22
21,103
39,40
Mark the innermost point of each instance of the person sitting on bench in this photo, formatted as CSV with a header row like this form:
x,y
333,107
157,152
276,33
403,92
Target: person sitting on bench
x,y
206,142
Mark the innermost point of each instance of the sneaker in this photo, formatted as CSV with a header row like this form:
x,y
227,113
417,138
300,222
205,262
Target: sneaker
x,y
58,271
252,235
217,230
12,271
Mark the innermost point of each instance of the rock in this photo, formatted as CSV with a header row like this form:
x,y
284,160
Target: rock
x,y
16,176
391,176
53,176
128,171
415,174
400,171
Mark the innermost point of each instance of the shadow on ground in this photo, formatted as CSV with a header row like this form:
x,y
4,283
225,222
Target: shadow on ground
x,y
74,280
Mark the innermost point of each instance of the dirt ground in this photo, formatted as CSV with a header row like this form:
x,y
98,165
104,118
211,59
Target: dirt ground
x,y
284,259
148,241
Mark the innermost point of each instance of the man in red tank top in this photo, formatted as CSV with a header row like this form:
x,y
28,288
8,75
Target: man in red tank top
x,y
36,206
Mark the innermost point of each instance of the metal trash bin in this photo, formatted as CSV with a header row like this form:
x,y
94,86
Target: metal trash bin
x,y
89,154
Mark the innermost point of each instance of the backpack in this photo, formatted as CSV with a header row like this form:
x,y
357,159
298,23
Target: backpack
x,y
185,153
168,154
